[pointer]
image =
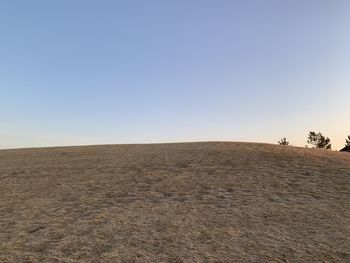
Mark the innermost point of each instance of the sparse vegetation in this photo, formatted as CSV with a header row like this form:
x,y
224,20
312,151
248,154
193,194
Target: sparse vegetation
x,y
318,141
283,141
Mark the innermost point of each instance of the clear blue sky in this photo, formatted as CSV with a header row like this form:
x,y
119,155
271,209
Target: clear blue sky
x,y
87,72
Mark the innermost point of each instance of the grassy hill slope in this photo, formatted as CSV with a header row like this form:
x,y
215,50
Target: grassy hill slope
x,y
190,202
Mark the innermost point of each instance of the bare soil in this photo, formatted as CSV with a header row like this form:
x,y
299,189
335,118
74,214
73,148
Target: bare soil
x,y
190,202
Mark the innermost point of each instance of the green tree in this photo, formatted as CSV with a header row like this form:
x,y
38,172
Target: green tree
x,y
318,141
283,141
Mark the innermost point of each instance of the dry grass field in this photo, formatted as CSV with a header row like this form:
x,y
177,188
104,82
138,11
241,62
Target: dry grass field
x,y
187,202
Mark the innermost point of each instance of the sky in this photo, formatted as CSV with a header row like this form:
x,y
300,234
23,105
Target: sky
x,y
133,71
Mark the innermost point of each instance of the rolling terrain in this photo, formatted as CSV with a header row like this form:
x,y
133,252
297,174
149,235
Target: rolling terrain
x,y
185,202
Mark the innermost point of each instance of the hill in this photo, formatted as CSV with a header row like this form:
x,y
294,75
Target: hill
x,y
187,202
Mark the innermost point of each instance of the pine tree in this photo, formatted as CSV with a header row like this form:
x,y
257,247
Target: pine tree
x,y
347,141
283,141
318,141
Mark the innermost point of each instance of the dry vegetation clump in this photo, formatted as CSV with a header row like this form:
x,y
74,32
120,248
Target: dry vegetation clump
x,y
193,202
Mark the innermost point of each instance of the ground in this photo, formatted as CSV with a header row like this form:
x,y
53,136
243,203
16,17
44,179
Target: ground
x,y
190,202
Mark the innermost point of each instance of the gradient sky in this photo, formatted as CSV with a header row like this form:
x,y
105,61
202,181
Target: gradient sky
x,y
89,72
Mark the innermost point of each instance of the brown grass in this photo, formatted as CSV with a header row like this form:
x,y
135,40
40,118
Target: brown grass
x,y
192,202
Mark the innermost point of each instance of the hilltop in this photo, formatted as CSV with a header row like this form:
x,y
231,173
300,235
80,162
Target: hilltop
x,y
185,202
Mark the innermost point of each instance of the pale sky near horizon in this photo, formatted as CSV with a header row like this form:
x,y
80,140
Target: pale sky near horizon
x,y
91,72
